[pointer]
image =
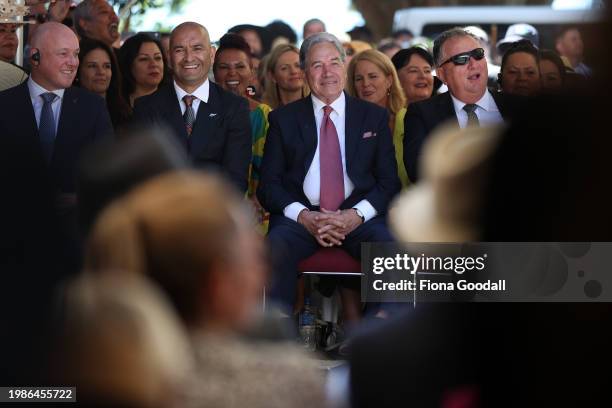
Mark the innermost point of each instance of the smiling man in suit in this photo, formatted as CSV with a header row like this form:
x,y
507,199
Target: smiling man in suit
x,y
328,169
212,124
46,115
462,66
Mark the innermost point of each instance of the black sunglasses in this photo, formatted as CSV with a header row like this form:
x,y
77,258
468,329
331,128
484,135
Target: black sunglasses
x,y
464,57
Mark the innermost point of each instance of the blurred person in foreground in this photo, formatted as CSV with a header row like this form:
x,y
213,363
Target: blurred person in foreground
x,y
99,73
143,66
568,44
210,265
462,67
372,77
211,123
233,71
285,79
552,71
328,173
520,70
96,19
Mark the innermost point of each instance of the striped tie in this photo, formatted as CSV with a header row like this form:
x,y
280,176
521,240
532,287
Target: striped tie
x,y
189,116
46,127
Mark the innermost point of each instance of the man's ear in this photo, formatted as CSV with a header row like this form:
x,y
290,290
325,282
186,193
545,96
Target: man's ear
x,y
441,74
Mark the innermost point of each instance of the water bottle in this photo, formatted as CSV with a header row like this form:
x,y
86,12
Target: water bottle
x,y
308,326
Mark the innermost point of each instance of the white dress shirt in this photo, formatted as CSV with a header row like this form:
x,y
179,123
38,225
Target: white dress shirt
x,y
487,111
201,94
312,182
38,102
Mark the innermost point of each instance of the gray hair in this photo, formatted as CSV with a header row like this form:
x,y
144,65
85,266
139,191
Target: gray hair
x,y
317,39
313,21
82,12
445,36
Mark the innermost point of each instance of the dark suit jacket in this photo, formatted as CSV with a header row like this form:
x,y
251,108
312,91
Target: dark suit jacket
x,y
83,120
221,136
423,117
291,145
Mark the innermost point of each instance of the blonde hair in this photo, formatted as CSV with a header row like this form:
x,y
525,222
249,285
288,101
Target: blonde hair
x,y
175,228
397,99
271,94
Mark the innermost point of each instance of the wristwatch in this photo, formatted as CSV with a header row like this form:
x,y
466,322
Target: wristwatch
x,y
360,214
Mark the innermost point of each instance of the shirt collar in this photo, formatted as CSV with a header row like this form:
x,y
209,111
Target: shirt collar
x,y
36,90
338,105
486,103
201,92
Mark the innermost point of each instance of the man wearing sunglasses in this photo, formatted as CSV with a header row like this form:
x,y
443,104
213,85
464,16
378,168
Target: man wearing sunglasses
x,y
462,66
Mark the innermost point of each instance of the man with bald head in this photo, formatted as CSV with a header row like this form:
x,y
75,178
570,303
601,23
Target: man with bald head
x,y
212,124
47,114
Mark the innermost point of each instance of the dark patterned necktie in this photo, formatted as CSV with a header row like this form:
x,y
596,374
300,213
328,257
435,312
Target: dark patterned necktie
x,y
332,176
46,127
189,116
470,109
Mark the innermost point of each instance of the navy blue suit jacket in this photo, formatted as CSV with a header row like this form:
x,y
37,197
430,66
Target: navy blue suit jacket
x,y
290,148
83,120
221,136
423,117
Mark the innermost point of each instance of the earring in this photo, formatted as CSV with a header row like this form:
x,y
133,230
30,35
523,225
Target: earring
x,y
389,91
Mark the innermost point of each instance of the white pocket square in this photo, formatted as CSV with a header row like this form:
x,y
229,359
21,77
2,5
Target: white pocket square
x,y
212,115
368,134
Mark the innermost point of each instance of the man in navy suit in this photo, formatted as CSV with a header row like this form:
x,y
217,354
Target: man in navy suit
x,y
212,124
45,114
462,66
327,174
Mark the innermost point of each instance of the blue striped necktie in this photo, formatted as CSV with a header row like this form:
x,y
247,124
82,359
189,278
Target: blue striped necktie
x,y
46,128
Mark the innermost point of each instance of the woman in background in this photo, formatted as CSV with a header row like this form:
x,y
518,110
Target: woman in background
x,y
233,70
520,70
552,71
143,66
99,73
372,77
415,72
285,79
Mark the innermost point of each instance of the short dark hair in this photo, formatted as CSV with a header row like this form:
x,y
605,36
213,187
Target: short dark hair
x,y
279,28
231,41
402,57
127,54
445,36
521,46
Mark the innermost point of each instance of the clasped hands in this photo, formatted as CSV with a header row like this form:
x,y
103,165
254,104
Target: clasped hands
x,y
329,227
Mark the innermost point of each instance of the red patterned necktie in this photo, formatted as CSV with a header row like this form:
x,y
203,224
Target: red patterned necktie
x,y
189,116
332,176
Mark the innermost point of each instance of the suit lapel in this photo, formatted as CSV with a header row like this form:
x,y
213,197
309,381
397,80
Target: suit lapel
x,y
27,112
67,128
353,118
447,109
207,120
172,113
499,99
308,130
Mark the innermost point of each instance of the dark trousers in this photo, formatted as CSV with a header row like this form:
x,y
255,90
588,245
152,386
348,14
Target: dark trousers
x,y
289,243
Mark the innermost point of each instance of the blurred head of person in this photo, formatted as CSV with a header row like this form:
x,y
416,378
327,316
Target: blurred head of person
x,y
252,34
569,44
233,66
552,71
354,47
143,66
415,71
191,55
461,64
323,60
372,77
8,42
520,70
285,79
164,39
54,54
209,263
402,37
313,26
281,32
99,73
96,19
515,33
388,47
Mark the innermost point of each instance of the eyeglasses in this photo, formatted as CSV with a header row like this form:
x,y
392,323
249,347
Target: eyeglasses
x,y
464,57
